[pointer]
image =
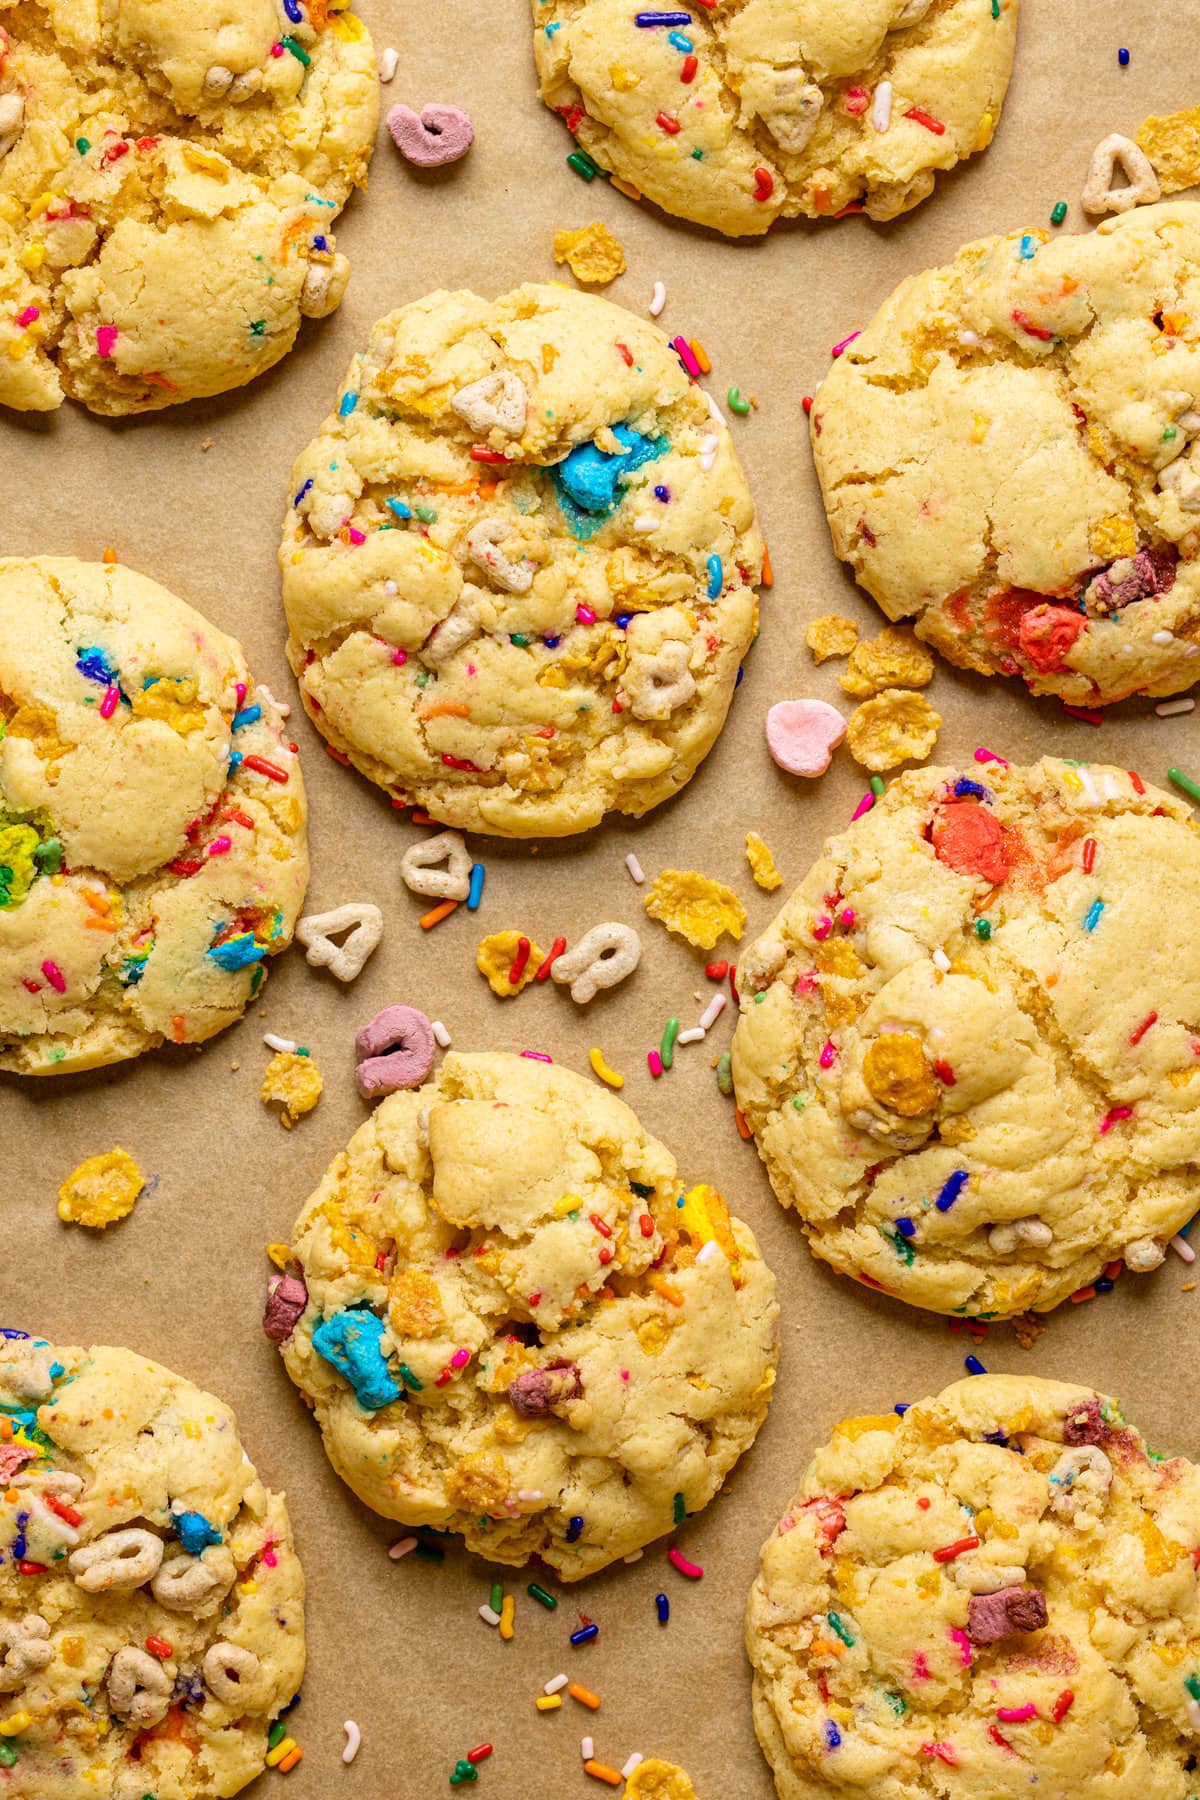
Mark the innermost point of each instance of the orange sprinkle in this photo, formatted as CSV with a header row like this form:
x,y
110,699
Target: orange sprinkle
x,y
290,1760
597,1770
451,487
549,357
95,924
701,355
667,1289
436,914
177,1027
1082,1294
584,1696
768,573
99,903
110,556
740,1121
446,709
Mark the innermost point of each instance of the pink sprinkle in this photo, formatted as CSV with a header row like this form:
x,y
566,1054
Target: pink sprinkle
x,y
240,693
683,351
624,1374
654,1060
828,1055
963,1642
846,918
806,983
108,705
219,846
943,1752
1114,1118
1016,1715
822,928
864,806
856,100
276,49
679,1561
356,536
270,1558
28,316
54,976
584,614
399,657
106,337
537,1056
460,1359
920,1667
845,344
986,756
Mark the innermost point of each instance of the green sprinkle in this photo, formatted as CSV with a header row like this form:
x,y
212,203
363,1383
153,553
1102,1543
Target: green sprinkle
x,y
900,1245
426,514
799,1102
735,401
1185,784
878,785
1169,435
82,145
983,929
667,1048
431,1552
518,638
258,327
1059,212
8,1756
300,55
995,9
497,1596
725,1073
698,155
275,1736
541,1596
897,1704
680,1509
639,1187
581,162
409,1379
1192,1684
839,1628
303,1050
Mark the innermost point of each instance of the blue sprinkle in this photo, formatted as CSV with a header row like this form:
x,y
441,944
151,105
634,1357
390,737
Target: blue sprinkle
x,y
320,242
299,497
398,508
901,1407
1123,58
906,1228
347,405
293,11
586,1634
974,790
237,952
249,715
952,1190
235,763
833,1737
57,1371
349,1342
1104,1285
1093,915
11,1332
740,674
575,1528
552,643
681,43
195,1532
663,1608
1028,249
974,1366
556,26
623,620
475,888
662,493
716,577
20,1543
94,664
649,19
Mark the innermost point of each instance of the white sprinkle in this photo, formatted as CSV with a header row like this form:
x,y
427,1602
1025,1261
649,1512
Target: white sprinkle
x,y
632,1764
636,1556
645,523
708,452
353,1740
529,1494
941,961
971,339
440,1034
1193,1715
658,299
387,63
881,116
488,1616
1163,637
552,1687
1181,1247
635,868
401,1547
281,706
587,1749
287,1045
390,589
1168,709
714,411
694,1036
712,1012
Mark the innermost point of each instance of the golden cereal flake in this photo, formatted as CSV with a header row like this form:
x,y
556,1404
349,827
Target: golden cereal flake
x,y
695,907
658,1780
1172,142
102,1189
1113,537
895,727
592,253
831,635
893,659
762,863
898,1073
294,1082
496,956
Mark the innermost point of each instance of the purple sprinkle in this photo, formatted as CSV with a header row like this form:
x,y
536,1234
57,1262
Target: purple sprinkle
x,y
952,1190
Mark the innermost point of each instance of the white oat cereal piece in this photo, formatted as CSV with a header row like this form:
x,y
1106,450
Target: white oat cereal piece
x,y
169,180
478,618
364,924
508,1391
182,1573
957,1062
1073,1654
1008,455
767,110
1102,193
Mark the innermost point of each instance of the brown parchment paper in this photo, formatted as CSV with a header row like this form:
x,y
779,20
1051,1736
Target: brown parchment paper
x,y
399,1647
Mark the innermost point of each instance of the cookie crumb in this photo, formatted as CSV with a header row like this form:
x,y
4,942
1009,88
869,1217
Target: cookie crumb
x,y
831,635
592,253
293,1082
101,1190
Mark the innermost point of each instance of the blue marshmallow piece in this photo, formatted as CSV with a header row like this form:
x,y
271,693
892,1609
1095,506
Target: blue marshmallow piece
x,y
196,1533
589,476
349,1342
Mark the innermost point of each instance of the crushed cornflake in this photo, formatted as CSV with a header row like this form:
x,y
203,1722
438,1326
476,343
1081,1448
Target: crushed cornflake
x,y
592,253
762,863
101,1190
895,727
831,635
496,957
1113,537
292,1082
1172,142
695,907
893,659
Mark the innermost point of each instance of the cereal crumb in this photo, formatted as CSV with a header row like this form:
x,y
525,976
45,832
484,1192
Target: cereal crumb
x,y
695,907
894,727
102,1189
294,1081
893,659
831,635
657,1780
592,253
206,444
1172,142
762,863
1028,1328
1113,538
496,957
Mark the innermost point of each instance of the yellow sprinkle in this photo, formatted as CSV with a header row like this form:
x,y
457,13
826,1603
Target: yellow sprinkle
x,y
15,1722
283,1748
191,1429
1071,780
601,1069
568,1203
33,255
248,1587
507,1609
548,1702
102,1189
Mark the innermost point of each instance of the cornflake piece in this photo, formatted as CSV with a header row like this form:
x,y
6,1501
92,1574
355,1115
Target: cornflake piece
x,y
831,635
592,253
895,727
102,1189
695,907
500,953
762,863
294,1083
1172,142
893,659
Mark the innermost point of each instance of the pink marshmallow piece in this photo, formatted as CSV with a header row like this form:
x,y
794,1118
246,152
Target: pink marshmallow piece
x,y
435,135
802,735
407,1037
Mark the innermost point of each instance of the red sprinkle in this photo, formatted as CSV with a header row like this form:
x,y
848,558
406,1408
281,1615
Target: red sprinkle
x,y
66,1513
1063,1705
556,950
764,184
481,453
478,1754
943,1752
339,756
998,1737
950,1551
927,120
262,767
461,762
1139,786
601,1225
1088,714
646,1225
184,865
688,71
1089,855
716,971
1027,324
856,100
33,1568
522,957
159,1647
1137,1036
626,355
667,123
733,988
945,1074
